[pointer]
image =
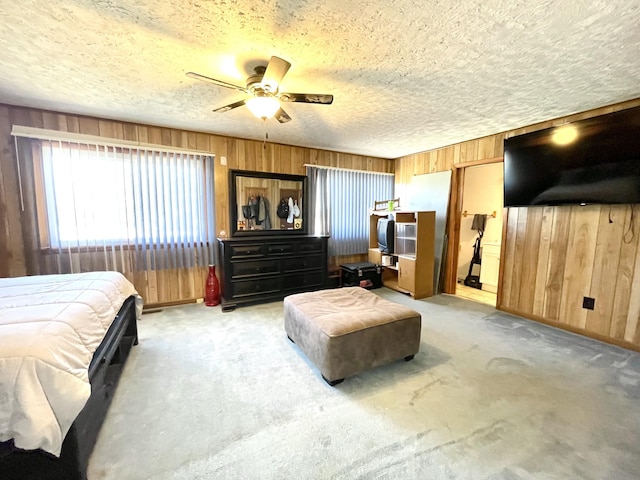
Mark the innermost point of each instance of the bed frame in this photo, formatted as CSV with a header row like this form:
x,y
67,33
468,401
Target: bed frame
x,y
104,372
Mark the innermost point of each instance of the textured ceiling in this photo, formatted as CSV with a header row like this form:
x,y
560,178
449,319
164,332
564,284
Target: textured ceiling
x,y
407,76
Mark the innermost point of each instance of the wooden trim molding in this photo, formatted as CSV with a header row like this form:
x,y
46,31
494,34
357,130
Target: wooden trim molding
x,y
453,231
453,224
503,250
150,307
572,329
475,163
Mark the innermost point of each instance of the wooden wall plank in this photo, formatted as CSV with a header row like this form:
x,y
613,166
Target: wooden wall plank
x,y
422,164
508,262
530,259
463,153
221,187
557,261
456,153
518,254
632,322
625,275
583,232
89,126
12,252
7,198
605,265
129,132
143,134
486,147
54,121
36,119
110,129
472,150
544,248
155,135
499,144
167,138
73,124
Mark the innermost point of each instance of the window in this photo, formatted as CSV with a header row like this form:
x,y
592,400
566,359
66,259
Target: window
x,y
103,198
340,203
122,195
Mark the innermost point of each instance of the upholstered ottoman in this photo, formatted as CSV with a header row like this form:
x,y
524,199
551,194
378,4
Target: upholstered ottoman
x,y
344,331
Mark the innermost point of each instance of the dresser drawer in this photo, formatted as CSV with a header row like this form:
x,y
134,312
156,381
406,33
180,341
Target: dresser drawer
x,y
247,250
302,263
310,246
279,248
254,267
303,281
256,286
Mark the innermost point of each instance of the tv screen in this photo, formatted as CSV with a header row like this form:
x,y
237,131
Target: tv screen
x,y
386,228
596,160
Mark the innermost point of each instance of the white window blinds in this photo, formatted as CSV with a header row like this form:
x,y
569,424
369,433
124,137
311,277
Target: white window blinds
x,y
340,203
121,208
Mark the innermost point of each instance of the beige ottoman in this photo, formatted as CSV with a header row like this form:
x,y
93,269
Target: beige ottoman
x,y
347,330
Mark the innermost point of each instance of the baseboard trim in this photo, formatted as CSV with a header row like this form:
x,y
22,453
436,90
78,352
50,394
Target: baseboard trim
x,y
572,329
151,306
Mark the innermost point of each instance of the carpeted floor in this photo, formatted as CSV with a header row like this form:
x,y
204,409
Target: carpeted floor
x,y
207,395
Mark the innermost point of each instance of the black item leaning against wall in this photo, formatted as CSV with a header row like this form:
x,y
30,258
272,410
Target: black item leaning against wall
x,y
474,280
478,224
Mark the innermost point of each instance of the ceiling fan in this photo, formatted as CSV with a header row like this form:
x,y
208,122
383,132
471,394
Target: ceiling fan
x,y
264,85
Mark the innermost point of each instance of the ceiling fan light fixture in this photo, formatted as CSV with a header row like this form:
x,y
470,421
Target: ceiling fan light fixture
x,y
264,88
263,107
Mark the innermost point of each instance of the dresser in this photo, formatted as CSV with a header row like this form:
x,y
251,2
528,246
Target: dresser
x,y
268,268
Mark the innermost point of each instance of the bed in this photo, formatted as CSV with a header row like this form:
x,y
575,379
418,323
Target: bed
x,y
63,343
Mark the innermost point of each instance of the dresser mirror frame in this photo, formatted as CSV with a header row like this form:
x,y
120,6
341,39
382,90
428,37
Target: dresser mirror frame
x,y
245,190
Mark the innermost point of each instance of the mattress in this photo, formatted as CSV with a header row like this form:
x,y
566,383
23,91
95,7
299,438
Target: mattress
x,y
50,327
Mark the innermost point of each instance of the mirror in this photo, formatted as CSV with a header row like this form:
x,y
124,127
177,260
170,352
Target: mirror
x,y
267,203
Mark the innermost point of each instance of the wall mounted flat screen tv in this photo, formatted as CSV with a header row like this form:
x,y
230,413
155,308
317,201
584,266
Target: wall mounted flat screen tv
x,y
596,160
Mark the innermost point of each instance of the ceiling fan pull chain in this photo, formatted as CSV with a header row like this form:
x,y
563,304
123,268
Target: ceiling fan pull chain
x,y
266,134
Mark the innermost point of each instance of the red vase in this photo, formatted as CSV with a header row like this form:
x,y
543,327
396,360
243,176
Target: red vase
x,y
212,288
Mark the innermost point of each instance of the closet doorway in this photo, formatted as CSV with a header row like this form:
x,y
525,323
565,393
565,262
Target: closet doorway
x,y
480,232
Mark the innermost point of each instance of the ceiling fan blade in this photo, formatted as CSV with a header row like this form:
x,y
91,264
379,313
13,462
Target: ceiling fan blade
x,y
276,70
320,98
220,83
231,106
282,116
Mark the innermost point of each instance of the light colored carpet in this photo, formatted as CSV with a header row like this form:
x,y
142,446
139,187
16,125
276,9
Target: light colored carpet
x,y
212,395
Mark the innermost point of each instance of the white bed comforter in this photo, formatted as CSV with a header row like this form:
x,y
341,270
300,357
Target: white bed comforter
x,y
50,326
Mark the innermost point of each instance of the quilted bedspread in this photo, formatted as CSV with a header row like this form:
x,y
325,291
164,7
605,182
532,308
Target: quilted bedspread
x,y
50,326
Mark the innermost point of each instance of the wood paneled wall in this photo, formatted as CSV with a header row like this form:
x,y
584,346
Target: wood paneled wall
x,y
239,153
556,256
552,257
